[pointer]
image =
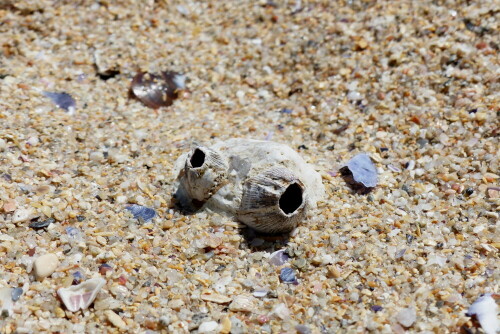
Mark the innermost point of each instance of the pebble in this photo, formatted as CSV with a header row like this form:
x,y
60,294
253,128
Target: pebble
x,y
176,304
16,294
303,329
242,303
237,326
10,206
226,326
115,319
354,96
208,327
281,311
407,317
22,215
45,265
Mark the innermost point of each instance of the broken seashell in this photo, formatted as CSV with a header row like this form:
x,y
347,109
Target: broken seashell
x,y
6,303
273,202
360,173
264,184
205,172
62,100
157,90
82,295
485,309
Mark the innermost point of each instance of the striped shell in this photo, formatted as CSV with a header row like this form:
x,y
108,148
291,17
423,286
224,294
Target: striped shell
x,y
273,201
205,172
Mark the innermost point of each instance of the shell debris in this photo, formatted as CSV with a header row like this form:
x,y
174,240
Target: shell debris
x,y
80,296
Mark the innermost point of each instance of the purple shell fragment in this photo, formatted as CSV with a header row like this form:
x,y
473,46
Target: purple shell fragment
x,y
287,275
363,170
62,100
278,258
141,212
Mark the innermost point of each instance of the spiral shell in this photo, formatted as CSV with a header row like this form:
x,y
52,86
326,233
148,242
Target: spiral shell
x,y
205,172
274,201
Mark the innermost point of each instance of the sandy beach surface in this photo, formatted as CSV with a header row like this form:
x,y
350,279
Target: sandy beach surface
x,y
413,84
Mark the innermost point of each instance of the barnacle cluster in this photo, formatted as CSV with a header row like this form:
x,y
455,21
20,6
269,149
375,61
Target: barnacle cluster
x,y
265,185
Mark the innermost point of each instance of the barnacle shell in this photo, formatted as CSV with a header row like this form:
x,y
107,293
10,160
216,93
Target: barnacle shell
x,y
273,202
205,171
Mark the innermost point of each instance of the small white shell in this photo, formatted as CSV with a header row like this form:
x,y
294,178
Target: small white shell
x,y
82,295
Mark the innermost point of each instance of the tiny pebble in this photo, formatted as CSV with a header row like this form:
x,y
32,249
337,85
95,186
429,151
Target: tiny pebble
x,y
16,294
407,317
141,212
22,215
262,319
377,308
45,265
104,268
303,329
77,277
208,327
242,304
115,319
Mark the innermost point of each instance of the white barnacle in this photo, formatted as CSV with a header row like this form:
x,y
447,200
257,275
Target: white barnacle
x,y
273,201
205,171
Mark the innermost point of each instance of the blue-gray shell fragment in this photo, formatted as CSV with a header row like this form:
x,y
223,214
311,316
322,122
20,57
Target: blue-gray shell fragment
x,y
363,170
287,275
62,100
141,212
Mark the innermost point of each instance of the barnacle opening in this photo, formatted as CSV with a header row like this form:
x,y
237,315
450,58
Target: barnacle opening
x,y
291,199
198,158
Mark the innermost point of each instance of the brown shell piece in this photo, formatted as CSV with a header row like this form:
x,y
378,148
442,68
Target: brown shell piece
x,y
157,90
205,171
273,201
